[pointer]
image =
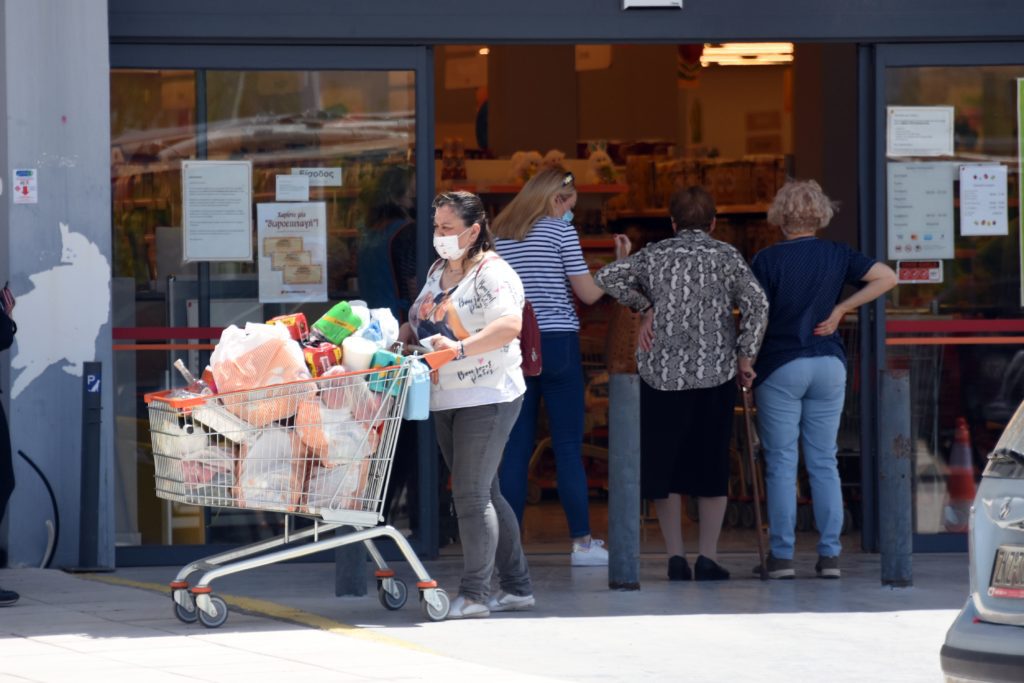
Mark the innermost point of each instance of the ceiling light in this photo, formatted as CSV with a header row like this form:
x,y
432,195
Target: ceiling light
x,y
485,51
746,54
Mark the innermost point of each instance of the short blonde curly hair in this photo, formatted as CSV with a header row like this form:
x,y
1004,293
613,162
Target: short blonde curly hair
x,y
801,206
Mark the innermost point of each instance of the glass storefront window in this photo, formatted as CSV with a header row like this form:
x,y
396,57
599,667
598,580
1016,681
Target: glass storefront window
x,y
362,122
960,339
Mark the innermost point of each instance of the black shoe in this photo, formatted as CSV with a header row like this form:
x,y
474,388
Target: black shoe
x,y
679,569
8,597
709,570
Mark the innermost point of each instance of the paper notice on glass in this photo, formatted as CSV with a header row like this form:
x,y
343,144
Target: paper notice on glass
x,y
919,131
920,209
292,242
292,188
217,209
983,200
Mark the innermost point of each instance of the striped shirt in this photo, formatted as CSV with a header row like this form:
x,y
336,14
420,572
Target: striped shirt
x,y
544,260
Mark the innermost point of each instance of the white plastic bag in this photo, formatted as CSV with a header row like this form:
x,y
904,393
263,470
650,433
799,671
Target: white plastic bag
x,y
388,325
271,474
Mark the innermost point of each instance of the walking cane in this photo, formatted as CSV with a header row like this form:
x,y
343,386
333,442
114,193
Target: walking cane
x,y
754,482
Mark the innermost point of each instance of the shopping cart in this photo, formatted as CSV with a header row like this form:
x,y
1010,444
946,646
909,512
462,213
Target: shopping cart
x,y
320,449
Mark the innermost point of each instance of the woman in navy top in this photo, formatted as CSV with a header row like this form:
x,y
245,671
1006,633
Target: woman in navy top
x,y
536,236
800,381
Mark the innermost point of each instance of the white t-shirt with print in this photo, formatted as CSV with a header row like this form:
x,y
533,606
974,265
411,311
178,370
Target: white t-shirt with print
x,y
491,291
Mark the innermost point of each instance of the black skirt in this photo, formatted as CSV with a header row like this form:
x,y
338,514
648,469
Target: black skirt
x,y
684,440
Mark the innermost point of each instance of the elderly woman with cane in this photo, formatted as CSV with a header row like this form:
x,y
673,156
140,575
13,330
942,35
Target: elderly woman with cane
x,y
690,359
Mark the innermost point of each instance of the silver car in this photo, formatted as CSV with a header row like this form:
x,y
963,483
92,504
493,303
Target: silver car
x,y
986,642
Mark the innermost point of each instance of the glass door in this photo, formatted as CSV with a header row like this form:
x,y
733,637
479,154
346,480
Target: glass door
x,y
348,116
947,181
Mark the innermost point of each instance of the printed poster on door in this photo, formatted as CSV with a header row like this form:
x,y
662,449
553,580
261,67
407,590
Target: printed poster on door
x,y
919,205
292,245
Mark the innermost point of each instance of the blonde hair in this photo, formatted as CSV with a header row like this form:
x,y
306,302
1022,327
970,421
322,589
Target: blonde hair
x,y
533,201
801,206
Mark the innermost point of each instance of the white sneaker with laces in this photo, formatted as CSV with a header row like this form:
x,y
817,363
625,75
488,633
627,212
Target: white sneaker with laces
x,y
592,555
464,608
506,602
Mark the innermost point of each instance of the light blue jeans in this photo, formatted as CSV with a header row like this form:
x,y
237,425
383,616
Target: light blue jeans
x,y
802,402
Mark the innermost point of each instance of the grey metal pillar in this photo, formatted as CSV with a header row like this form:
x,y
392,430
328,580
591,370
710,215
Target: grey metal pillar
x,y
895,500
350,567
624,482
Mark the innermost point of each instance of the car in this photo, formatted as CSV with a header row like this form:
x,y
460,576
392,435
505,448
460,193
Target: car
x,y
986,641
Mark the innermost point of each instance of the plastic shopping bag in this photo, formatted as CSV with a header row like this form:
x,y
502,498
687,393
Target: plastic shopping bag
x,y
272,474
257,357
332,436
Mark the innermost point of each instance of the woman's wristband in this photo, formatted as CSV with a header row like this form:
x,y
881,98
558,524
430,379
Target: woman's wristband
x,y
461,352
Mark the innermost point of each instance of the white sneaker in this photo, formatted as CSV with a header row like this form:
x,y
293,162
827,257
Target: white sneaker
x,y
464,608
593,555
506,602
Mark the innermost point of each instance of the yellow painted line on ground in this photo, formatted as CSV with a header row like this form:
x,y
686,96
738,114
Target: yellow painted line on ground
x,y
276,611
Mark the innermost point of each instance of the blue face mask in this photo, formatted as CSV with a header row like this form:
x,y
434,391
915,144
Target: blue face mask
x,y
567,216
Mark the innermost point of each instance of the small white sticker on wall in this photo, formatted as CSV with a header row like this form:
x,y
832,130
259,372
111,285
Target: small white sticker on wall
x,y
24,186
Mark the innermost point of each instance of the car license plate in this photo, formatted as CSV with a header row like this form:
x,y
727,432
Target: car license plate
x,y
1008,573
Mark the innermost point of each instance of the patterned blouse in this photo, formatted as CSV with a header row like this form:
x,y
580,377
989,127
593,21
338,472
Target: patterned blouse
x,y
694,282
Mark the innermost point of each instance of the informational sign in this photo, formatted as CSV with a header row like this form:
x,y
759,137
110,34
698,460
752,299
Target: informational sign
x,y
24,186
919,272
919,131
217,199
983,200
920,209
292,239
292,188
321,177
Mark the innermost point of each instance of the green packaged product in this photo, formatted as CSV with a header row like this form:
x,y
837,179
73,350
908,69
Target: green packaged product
x,y
338,323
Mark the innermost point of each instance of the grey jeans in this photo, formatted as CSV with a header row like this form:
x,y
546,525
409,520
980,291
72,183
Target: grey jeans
x,y
472,441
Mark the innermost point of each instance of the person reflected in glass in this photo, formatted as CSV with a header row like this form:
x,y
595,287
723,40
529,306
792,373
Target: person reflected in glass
x,y
387,279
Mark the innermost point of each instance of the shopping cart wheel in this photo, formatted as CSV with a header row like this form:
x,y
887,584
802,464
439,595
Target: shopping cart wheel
x,y
395,598
439,611
185,614
221,609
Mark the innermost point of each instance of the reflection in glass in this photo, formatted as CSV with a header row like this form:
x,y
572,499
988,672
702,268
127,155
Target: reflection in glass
x,y
960,374
361,122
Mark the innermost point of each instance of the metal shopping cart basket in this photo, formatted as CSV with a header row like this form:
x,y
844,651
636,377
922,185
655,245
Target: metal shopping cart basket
x,y
319,448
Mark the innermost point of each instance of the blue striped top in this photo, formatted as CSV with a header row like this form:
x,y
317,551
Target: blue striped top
x,y
544,260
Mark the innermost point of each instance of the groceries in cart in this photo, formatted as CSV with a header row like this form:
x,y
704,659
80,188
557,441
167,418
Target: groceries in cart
x,y
288,416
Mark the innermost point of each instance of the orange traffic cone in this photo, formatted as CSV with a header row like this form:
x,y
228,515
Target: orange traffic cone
x,y
960,480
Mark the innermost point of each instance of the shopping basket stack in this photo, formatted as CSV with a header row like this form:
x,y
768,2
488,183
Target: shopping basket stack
x,y
319,448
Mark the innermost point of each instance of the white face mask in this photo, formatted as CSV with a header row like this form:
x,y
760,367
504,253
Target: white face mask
x,y
447,246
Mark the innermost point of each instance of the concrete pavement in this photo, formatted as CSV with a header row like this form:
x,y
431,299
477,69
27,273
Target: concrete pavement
x,y
286,624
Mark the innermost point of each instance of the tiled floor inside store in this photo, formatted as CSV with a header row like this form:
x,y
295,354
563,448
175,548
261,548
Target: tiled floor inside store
x,y
545,531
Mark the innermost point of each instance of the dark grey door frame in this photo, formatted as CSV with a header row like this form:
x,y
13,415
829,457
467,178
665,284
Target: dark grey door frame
x,y
417,58
875,60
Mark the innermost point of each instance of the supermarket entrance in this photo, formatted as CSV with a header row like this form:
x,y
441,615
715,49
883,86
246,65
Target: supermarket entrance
x,y
634,123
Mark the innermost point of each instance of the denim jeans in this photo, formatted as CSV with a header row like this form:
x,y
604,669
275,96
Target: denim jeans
x,y
802,401
471,441
560,384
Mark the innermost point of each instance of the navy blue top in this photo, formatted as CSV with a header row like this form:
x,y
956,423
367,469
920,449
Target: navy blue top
x,y
803,279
